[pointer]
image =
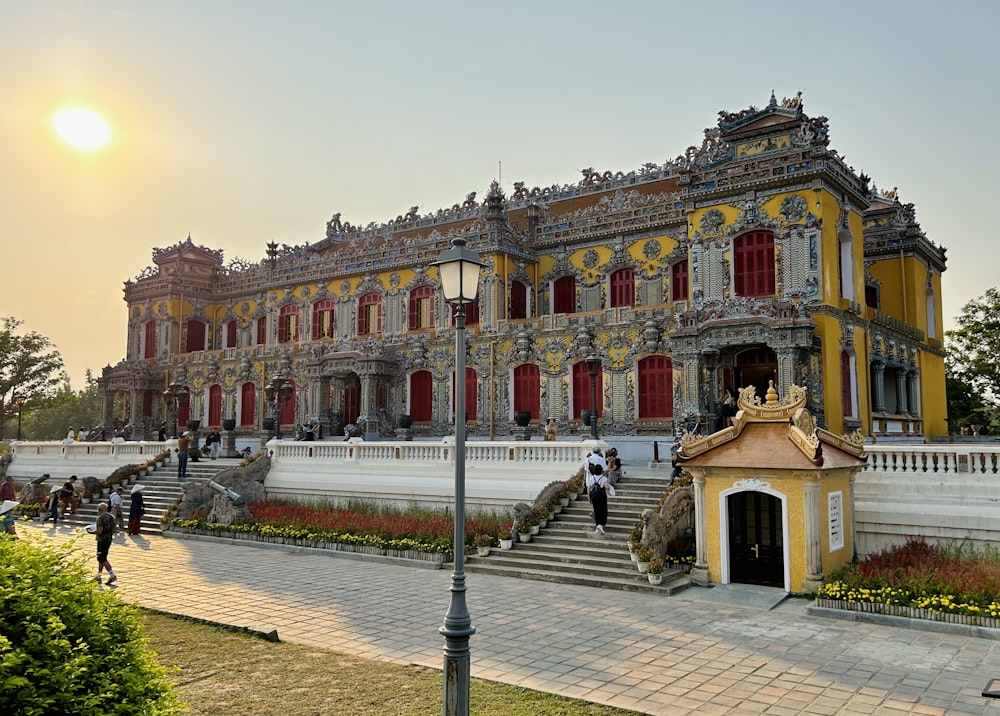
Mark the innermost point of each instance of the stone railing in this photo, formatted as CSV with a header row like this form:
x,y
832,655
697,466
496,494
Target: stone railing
x,y
943,459
62,459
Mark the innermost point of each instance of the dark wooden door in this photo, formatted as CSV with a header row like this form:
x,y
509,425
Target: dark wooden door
x,y
756,542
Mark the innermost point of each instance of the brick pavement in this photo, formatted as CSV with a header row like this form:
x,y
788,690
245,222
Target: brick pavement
x,y
659,655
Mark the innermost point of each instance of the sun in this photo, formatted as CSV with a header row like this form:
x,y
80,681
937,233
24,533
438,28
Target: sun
x,y
81,128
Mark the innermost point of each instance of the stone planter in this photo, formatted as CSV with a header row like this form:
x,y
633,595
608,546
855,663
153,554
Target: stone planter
x,y
634,556
229,424
194,425
654,578
522,418
269,424
506,544
523,537
535,528
564,501
405,421
642,566
483,551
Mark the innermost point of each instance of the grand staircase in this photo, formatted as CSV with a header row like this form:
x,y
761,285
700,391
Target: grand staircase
x,y
568,551
160,491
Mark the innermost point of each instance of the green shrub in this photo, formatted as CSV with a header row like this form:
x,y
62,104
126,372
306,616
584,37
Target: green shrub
x,y
66,646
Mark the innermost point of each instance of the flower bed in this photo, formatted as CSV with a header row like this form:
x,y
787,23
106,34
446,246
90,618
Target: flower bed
x,y
921,581
357,527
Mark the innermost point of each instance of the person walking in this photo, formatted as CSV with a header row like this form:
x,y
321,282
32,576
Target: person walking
x,y
116,507
105,532
214,442
7,491
597,489
183,443
162,433
68,498
53,506
136,509
7,518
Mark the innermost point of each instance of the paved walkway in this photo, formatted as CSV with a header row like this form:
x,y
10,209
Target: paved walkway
x,y
692,653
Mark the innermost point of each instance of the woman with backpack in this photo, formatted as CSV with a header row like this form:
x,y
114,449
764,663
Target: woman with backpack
x,y
597,487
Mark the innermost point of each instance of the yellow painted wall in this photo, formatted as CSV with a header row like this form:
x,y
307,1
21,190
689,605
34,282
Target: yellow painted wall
x,y
844,555
933,401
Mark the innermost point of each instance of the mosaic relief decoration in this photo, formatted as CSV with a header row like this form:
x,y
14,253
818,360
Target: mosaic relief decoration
x,y
711,222
651,249
590,258
793,208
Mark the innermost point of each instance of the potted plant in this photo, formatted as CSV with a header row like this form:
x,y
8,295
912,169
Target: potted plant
x,y
524,531
643,557
542,516
507,543
483,543
654,571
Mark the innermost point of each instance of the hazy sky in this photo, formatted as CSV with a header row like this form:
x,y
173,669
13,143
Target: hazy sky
x,y
242,122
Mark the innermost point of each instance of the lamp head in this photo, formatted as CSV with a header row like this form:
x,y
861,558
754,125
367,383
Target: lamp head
x,y
458,268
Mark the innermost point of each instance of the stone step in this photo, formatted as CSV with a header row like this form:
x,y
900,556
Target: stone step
x,y
673,581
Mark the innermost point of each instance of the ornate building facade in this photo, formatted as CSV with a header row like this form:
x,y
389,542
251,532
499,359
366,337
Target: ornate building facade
x,y
759,255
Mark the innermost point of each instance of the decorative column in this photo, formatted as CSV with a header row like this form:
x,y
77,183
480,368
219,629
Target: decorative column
x,y
813,534
699,574
901,402
913,389
786,372
134,406
367,412
878,386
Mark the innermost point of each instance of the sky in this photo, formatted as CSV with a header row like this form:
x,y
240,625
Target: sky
x,y
241,122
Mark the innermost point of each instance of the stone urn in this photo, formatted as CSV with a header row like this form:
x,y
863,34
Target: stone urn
x,y
522,418
405,421
269,424
193,424
654,578
229,424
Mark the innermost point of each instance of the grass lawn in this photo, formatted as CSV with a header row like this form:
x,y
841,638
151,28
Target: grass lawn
x,y
225,673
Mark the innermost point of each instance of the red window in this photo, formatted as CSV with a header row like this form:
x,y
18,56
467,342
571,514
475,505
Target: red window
x,y
149,345
679,281
421,396
261,332
581,390
196,335
527,389
288,324
215,405
369,314
470,392
231,334
622,288
421,308
322,326
248,404
518,299
753,264
656,387
352,403
564,295
288,409
846,384
471,314
183,410
147,403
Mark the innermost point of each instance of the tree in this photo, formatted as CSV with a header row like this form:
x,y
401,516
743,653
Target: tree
x,y
29,366
50,417
972,362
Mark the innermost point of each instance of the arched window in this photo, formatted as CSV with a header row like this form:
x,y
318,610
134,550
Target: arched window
x,y
581,390
261,337
288,324
195,335
622,288
679,281
231,339
471,384
846,384
527,390
518,300
149,344
656,387
322,319
753,264
214,405
421,396
471,314
421,308
288,409
248,404
564,295
369,314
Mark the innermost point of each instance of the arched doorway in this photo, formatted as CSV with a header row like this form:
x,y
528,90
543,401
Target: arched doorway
x,y
756,538
756,366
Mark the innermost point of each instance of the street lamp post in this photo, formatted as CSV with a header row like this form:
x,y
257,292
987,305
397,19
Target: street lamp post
x,y
173,395
458,268
593,368
19,401
277,393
